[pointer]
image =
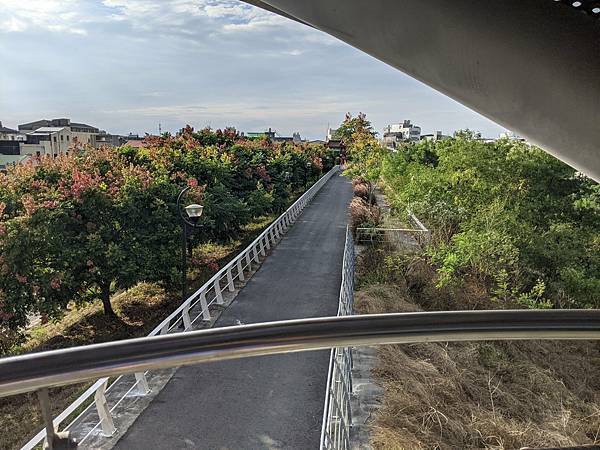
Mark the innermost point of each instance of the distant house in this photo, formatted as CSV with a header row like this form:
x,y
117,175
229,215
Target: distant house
x,y
10,147
434,137
295,138
333,134
395,134
47,141
270,134
336,145
79,132
8,134
511,136
7,161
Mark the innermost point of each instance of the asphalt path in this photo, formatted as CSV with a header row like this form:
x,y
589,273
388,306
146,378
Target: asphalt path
x,y
269,402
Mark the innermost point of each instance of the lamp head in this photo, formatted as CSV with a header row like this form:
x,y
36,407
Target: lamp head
x,y
194,211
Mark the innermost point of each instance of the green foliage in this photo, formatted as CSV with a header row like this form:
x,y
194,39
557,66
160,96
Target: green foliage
x,y
524,223
75,228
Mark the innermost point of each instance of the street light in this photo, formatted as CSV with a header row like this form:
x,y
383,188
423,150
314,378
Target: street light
x,y
189,216
306,169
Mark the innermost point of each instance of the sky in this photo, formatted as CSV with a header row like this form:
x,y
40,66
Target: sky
x,y
128,65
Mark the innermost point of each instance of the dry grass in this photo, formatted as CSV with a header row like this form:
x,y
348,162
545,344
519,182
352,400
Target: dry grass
x,y
492,395
138,309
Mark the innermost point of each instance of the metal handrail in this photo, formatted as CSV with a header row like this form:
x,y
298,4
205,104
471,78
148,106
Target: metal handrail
x,y
35,371
197,306
337,417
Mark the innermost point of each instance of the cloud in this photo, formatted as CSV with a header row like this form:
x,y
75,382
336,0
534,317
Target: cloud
x,y
61,16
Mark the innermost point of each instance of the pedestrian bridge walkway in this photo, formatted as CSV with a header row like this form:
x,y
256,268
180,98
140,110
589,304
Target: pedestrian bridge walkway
x,y
271,401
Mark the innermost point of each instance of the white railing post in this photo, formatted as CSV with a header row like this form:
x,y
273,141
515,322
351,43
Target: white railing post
x,y
205,311
255,251
262,247
106,420
248,261
240,270
218,294
230,284
142,383
185,314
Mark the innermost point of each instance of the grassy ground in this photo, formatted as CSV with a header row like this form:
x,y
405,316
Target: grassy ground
x,y
138,310
493,395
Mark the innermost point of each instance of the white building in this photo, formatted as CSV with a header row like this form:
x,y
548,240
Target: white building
x,y
79,132
433,137
511,136
396,133
332,134
48,141
8,134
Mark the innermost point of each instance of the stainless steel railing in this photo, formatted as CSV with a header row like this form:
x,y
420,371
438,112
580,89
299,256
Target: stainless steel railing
x,y
337,415
35,371
195,309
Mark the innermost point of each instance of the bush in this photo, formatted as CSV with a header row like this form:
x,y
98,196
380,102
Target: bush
x,y
77,227
505,212
363,215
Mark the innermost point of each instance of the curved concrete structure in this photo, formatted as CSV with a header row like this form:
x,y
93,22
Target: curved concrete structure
x,y
532,66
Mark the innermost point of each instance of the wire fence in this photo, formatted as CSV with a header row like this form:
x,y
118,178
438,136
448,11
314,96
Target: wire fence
x,y
418,236
196,308
337,415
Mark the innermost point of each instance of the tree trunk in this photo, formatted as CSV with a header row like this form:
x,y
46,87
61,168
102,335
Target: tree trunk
x,y
105,295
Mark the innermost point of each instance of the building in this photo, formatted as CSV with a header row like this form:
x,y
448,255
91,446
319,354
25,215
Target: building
x,y
395,134
437,136
336,146
8,134
511,136
79,132
270,134
48,141
295,138
114,140
7,161
333,134
10,147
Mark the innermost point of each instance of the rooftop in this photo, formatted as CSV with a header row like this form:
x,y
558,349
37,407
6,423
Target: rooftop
x,y
7,130
47,130
12,159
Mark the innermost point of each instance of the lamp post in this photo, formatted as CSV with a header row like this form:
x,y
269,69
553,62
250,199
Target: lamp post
x,y
306,168
189,216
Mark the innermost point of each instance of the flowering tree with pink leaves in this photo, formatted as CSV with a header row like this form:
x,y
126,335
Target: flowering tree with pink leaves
x,y
76,228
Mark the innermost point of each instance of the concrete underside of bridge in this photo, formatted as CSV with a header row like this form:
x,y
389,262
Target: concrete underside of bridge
x,y
532,66
273,402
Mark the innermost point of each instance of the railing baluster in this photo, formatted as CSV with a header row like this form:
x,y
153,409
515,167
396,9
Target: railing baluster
x,y
205,311
255,250
240,270
230,284
185,313
218,294
142,383
106,420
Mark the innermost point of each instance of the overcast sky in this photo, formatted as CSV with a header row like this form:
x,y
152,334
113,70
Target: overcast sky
x,y
126,65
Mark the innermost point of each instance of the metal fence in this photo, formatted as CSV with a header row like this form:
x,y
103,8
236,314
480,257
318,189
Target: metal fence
x,y
337,416
418,236
195,309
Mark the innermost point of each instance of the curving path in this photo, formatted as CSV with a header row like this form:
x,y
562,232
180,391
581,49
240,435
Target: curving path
x,y
270,402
